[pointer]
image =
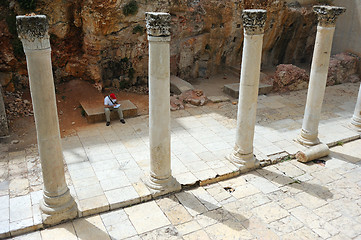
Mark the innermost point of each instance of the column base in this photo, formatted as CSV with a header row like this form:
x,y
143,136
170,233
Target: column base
x,y
245,162
58,209
158,187
307,139
356,124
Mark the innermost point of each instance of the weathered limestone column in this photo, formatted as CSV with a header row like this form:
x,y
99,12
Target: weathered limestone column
x,y
356,118
57,204
253,24
4,130
160,179
327,16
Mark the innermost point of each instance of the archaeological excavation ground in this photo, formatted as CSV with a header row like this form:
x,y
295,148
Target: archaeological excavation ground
x,y
242,119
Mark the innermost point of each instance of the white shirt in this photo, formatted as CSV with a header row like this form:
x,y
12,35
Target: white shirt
x,y
108,102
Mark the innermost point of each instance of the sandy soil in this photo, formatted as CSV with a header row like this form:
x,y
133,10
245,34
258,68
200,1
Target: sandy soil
x,y
68,96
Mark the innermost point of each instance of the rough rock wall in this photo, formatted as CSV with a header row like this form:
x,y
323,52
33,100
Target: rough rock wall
x,y
105,41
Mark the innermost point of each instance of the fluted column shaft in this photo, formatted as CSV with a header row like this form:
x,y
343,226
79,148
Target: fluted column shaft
x,y
160,179
57,204
327,16
253,23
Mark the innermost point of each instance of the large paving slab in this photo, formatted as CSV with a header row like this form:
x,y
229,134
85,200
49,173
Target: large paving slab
x,y
104,165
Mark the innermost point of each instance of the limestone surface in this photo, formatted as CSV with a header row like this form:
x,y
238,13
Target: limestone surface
x,y
305,208
104,167
4,131
101,43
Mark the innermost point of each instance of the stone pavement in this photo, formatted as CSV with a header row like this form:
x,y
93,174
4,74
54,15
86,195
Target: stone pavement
x,y
289,200
104,166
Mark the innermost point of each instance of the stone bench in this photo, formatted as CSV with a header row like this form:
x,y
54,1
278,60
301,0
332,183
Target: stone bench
x,y
178,85
233,89
94,111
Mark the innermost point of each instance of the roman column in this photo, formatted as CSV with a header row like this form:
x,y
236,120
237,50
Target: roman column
x,y
4,130
327,16
356,118
253,24
158,30
57,204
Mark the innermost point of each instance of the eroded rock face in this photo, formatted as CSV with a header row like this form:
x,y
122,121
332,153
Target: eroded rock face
x,y
97,41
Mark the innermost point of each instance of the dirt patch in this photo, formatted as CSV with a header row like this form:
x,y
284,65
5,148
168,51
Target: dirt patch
x,y
68,95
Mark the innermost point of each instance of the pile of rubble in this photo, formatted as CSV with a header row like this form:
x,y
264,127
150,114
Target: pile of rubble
x,y
343,68
289,77
141,89
16,106
194,97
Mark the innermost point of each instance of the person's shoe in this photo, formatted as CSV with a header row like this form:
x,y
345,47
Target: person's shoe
x,y
122,121
108,123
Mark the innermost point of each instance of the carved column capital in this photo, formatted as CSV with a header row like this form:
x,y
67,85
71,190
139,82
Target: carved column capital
x,y
327,15
254,21
158,24
33,32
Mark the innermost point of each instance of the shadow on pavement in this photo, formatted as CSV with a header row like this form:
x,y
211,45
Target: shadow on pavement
x,y
219,214
310,188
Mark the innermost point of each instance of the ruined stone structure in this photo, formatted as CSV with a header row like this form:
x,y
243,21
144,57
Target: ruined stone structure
x,y
327,16
57,204
253,23
105,41
158,29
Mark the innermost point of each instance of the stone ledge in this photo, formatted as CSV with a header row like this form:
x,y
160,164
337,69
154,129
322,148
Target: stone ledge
x,y
233,89
178,85
218,99
94,112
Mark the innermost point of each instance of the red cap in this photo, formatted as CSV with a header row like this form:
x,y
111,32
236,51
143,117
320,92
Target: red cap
x,y
112,95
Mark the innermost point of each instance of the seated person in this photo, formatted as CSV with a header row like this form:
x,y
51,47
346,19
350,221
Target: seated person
x,y
110,104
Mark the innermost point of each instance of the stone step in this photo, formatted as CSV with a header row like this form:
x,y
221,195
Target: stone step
x,y
94,112
178,85
235,70
233,89
218,99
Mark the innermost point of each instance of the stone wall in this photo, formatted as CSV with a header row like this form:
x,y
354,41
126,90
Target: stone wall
x,y
348,28
105,41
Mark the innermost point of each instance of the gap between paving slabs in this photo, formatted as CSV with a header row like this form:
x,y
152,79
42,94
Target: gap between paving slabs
x,y
272,160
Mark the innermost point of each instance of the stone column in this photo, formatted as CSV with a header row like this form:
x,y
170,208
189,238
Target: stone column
x,y
160,179
4,130
57,204
327,16
356,118
253,24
